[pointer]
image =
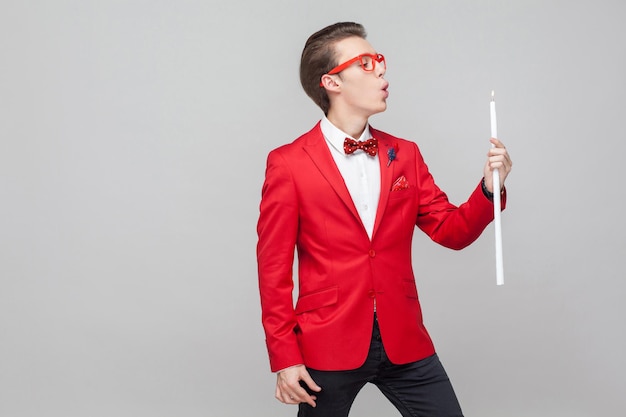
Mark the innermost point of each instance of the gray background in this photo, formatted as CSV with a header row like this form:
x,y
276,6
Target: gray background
x,y
133,144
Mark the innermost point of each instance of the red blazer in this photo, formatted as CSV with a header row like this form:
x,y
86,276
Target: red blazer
x,y
306,205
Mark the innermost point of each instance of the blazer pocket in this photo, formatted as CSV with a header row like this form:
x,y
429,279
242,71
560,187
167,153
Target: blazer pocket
x,y
405,193
410,289
317,299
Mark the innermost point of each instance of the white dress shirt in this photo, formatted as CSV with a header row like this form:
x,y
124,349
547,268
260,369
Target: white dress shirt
x,y
360,172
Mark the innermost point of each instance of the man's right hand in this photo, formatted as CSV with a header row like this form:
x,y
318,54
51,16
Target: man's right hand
x,y
289,390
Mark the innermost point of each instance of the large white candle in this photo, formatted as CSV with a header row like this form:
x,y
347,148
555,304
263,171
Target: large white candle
x,y
496,200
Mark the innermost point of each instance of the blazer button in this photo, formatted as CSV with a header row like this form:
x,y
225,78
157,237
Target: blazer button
x,y
371,294
372,253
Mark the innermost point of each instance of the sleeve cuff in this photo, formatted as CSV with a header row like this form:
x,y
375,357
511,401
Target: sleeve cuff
x,y
488,193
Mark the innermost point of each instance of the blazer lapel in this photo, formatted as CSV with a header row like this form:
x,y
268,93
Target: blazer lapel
x,y
315,146
386,177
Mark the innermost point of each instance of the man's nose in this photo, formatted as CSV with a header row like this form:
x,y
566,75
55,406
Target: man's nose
x,y
380,69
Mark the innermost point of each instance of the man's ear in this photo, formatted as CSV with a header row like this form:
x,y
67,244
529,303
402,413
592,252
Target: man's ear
x,y
330,83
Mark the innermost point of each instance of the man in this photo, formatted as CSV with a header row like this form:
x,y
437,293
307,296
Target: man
x,y
348,197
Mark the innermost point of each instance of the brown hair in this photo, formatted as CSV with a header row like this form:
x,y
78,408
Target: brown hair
x,y
318,57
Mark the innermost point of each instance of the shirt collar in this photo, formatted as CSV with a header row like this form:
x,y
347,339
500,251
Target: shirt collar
x,y
336,136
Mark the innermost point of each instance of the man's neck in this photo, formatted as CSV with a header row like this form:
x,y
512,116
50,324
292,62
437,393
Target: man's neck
x,y
352,125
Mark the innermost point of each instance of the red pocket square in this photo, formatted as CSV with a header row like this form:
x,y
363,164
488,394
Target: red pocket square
x,y
400,184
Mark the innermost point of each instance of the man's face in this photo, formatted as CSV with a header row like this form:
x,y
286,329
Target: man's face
x,y
362,92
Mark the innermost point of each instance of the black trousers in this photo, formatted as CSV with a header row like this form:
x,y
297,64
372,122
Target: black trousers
x,y
418,389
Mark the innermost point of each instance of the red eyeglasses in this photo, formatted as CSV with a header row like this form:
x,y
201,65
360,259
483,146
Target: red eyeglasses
x,y
367,62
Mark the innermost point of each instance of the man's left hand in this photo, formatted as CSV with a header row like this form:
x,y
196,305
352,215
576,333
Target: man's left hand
x,y
497,158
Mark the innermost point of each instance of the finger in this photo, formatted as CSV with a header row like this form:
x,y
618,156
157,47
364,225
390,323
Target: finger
x,y
294,394
287,398
306,377
301,396
503,171
500,149
496,143
504,159
495,157
282,396
310,383
498,152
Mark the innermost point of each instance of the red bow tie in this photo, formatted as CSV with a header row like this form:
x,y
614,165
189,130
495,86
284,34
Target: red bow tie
x,y
369,146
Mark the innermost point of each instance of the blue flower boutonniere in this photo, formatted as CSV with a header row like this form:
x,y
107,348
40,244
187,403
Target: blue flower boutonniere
x,y
391,154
